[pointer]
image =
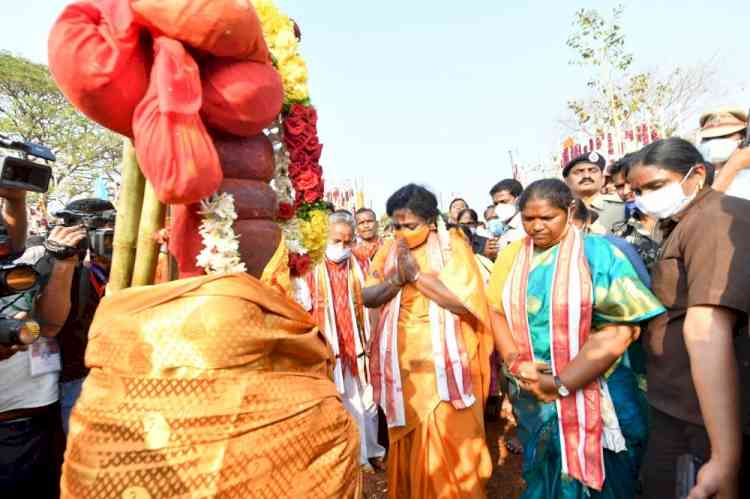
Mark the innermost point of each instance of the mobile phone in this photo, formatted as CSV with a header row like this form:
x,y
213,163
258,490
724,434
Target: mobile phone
x,y
17,173
686,475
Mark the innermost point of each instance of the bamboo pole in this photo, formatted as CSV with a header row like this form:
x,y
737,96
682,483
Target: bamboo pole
x,y
147,250
128,218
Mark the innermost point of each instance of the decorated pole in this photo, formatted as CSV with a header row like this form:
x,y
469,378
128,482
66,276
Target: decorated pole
x,y
147,250
128,218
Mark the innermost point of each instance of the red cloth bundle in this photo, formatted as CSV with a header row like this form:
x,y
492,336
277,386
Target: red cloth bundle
x,y
98,61
174,149
240,97
225,28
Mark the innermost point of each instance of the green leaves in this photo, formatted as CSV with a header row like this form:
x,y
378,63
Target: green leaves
x,y
33,108
618,98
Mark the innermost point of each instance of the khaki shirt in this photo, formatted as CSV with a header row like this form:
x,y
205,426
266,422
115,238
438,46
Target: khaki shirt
x,y
705,260
610,209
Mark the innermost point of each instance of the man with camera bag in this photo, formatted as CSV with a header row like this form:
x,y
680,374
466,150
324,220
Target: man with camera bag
x,y
89,281
30,430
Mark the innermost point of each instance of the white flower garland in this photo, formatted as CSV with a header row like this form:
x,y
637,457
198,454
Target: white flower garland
x,y
221,246
282,184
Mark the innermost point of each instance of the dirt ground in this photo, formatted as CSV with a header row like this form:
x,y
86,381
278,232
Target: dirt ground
x,y
506,481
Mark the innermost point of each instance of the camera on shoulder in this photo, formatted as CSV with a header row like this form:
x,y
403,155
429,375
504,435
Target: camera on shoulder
x,y
18,172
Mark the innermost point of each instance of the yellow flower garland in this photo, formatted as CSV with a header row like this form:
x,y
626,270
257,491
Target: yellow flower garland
x,y
314,234
278,31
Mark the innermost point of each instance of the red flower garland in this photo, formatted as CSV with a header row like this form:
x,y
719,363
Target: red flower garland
x,y
299,265
301,140
286,212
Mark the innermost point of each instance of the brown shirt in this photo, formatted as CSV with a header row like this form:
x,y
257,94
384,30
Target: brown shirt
x,y
705,260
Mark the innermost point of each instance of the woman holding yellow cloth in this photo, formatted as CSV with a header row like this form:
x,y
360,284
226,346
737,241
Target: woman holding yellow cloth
x,y
429,357
565,308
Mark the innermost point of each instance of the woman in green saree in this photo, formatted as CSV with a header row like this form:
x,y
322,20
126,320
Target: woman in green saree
x,y
565,308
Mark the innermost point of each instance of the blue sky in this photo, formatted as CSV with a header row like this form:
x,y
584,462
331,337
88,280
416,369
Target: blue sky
x,y
437,92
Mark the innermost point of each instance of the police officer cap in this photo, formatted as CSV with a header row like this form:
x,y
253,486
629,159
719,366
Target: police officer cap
x,y
590,157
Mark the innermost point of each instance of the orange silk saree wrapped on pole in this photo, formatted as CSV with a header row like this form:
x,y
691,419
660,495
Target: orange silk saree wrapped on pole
x,y
213,386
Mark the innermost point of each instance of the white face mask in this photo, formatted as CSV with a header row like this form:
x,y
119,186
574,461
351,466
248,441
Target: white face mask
x,y
667,201
337,253
718,150
505,212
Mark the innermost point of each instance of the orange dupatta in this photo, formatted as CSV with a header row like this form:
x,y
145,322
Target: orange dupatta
x,y
449,352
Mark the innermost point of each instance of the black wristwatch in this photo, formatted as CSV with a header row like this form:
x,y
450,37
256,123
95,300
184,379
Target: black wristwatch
x,y
561,390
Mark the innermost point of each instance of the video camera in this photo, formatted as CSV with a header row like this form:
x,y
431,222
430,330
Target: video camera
x,y
19,172
18,278
99,228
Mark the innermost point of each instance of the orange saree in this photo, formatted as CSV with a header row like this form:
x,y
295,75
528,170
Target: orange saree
x,y
208,387
440,451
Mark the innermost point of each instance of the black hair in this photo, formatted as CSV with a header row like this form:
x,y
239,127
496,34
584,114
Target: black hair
x,y
450,206
362,211
90,205
474,216
513,186
676,155
623,164
553,190
415,198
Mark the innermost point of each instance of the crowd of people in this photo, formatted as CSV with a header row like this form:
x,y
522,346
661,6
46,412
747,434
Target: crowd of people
x,y
609,307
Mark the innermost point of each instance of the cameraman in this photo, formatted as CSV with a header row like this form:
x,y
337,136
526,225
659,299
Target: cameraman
x,y
89,281
30,427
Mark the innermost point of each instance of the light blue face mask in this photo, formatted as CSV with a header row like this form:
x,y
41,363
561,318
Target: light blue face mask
x,y
630,208
496,227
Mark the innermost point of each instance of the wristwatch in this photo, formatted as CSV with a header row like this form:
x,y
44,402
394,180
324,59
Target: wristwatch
x,y
561,390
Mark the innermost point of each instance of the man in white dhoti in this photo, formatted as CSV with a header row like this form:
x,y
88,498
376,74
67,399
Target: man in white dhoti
x,y
335,286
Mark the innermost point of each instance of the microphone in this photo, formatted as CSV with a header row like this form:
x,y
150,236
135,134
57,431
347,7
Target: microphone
x,y
18,332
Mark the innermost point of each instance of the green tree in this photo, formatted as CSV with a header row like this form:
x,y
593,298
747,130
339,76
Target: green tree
x,y
619,97
32,108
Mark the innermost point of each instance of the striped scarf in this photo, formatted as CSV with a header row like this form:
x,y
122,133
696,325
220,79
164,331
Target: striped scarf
x,y
338,310
449,353
580,414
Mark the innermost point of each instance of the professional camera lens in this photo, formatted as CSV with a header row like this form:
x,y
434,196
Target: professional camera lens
x,y
20,279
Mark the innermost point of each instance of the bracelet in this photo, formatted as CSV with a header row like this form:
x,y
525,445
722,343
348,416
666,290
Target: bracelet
x,y
60,251
416,277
